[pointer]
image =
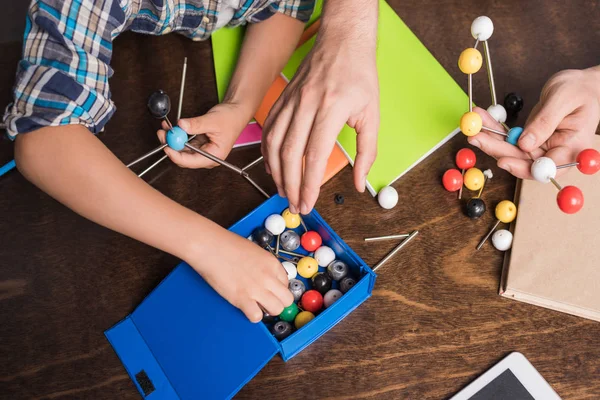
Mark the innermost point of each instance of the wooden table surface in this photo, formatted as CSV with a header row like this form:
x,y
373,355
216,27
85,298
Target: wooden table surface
x,y
435,321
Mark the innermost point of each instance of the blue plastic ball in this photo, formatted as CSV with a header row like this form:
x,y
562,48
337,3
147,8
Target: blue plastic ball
x,y
176,138
513,135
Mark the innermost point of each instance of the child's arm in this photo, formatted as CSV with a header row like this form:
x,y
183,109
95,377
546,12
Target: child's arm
x,y
74,167
266,49
561,125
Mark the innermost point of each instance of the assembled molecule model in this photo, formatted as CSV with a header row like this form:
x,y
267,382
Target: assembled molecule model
x,y
543,169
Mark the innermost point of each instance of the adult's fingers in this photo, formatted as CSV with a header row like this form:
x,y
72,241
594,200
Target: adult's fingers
x,y
274,133
543,124
366,150
328,124
518,167
489,144
293,148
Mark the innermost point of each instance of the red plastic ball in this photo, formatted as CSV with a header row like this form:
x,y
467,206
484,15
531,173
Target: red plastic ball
x,y
465,158
312,301
589,161
570,199
452,180
311,241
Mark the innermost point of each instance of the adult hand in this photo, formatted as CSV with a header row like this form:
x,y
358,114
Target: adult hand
x,y
561,125
335,85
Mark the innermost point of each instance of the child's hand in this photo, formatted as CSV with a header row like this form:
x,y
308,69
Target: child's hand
x,y
244,274
561,125
221,125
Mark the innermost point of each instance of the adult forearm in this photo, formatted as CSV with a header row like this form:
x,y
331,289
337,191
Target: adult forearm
x,y
354,21
74,167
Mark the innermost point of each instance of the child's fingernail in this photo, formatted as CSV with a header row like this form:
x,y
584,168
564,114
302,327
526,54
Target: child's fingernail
x,y
474,142
528,140
267,169
183,124
293,209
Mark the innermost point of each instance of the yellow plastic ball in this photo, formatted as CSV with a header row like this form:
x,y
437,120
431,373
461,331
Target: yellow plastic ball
x,y
307,267
470,61
506,211
292,221
474,179
471,123
303,318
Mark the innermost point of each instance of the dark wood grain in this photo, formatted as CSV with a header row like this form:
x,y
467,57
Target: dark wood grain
x,y
434,322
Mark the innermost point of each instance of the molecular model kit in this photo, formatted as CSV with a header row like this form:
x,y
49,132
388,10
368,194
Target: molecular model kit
x,y
543,169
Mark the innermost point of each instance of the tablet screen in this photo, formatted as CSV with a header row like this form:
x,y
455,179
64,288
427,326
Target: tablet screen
x,y
505,386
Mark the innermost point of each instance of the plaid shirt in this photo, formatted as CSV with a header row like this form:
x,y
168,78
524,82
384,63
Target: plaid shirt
x,y
63,76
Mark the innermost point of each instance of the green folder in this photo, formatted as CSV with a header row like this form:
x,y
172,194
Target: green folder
x,y
226,45
420,103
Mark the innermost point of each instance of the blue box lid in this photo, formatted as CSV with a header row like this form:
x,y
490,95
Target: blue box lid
x,y
173,339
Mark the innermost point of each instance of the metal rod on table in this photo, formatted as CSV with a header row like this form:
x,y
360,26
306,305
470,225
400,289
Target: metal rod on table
x,y
470,93
142,158
476,43
378,238
461,186
168,122
256,186
573,164
488,64
488,235
397,249
217,160
252,164
181,88
485,128
144,172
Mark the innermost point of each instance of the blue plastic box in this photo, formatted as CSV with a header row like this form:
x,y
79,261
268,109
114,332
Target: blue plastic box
x,y
186,342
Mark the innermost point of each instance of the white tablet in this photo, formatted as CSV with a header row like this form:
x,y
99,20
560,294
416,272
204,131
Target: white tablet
x,y
513,378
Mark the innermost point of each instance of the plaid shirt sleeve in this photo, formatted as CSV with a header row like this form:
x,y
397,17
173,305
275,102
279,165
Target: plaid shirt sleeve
x,y
299,9
63,75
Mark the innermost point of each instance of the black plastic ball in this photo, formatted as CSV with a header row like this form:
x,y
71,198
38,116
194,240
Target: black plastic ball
x,y
513,103
281,330
159,104
268,318
262,237
321,282
475,208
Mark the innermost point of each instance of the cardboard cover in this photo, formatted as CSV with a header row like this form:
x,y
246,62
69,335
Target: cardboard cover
x,y
555,261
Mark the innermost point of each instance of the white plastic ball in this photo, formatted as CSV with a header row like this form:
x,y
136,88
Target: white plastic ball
x,y
502,239
324,256
275,224
482,28
331,297
291,270
488,174
498,112
543,169
387,197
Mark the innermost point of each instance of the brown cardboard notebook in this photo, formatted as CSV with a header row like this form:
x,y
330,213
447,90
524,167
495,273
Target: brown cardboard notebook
x,y
555,258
